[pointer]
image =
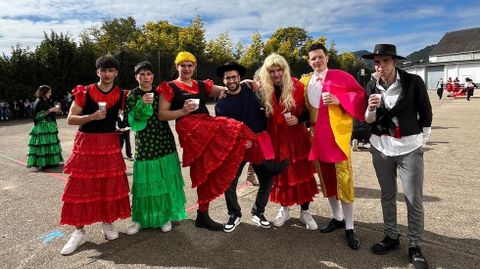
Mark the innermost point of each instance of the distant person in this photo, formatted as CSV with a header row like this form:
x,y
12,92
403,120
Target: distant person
x,y
44,148
97,188
469,87
440,88
400,114
16,109
123,131
3,110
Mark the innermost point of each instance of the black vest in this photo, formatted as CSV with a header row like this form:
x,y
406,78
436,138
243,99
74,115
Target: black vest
x,y
179,97
106,125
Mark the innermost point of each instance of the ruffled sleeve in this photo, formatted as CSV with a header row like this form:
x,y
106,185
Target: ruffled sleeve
x,y
208,86
165,90
138,112
80,94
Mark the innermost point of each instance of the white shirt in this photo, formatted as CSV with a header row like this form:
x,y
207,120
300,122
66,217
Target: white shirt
x,y
389,145
315,86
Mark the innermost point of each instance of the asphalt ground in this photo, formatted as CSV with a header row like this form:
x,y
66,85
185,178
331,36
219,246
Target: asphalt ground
x,y
31,237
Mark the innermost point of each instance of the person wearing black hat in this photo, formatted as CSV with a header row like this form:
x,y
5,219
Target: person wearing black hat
x,y
242,104
400,114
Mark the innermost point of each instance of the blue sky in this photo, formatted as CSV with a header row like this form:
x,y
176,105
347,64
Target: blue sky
x,y
353,25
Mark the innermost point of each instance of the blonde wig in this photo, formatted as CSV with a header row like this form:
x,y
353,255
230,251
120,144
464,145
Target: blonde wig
x,y
286,99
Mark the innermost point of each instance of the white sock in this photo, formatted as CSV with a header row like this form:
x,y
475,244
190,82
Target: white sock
x,y
335,207
348,212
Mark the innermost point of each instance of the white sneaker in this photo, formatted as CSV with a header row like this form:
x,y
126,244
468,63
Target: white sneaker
x,y
167,227
109,231
134,228
282,216
76,239
307,219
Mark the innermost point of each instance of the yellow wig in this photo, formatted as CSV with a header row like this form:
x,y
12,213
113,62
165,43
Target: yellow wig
x,y
185,56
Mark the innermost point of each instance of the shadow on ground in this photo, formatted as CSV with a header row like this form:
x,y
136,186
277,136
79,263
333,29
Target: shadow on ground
x,y
287,247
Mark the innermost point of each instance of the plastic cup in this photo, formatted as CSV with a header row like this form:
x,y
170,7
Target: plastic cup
x,y
377,95
196,102
324,95
149,94
102,106
287,115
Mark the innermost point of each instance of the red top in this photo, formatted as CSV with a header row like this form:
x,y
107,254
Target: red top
x,y
167,91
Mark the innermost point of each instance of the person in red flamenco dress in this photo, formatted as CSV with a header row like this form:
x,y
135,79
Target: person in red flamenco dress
x,y
213,147
284,102
97,187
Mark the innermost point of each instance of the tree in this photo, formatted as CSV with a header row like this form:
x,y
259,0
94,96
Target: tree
x,y
220,50
114,35
239,50
253,56
287,42
57,56
192,37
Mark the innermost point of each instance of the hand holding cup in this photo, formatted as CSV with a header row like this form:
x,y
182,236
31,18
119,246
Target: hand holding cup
x,y
148,98
374,101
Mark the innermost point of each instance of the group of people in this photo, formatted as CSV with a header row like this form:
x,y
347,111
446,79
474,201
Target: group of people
x,y
455,89
262,121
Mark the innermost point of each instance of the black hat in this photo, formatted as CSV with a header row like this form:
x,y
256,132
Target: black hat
x,y
144,65
229,66
383,49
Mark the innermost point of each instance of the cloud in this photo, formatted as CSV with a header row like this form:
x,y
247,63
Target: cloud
x,y
351,24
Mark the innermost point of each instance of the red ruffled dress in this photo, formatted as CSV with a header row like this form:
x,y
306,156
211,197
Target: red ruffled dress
x,y
97,188
297,184
213,147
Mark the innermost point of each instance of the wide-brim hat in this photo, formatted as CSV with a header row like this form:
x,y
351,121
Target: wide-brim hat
x,y
383,49
229,66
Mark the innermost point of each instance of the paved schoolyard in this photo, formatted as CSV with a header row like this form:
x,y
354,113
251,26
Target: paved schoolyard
x,y
30,236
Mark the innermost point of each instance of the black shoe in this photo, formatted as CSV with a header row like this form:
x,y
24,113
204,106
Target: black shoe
x,y
417,258
332,225
352,239
260,220
204,221
275,168
386,245
231,224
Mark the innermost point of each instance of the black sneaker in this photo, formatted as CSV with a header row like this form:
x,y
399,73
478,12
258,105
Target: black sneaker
x,y
232,223
387,244
417,258
260,220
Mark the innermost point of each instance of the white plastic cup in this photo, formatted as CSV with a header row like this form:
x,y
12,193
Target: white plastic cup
x,y
149,94
287,115
102,106
57,105
324,95
196,102
377,95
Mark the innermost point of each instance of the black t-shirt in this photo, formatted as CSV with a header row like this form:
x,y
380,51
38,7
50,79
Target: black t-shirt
x,y
244,107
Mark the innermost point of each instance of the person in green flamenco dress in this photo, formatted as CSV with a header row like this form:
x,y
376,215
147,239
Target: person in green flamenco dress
x,y
44,148
158,196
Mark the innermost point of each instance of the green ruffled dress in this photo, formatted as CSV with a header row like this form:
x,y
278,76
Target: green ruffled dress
x,y
44,146
157,190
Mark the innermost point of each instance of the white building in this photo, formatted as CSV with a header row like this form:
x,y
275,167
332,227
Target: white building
x,y
457,55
